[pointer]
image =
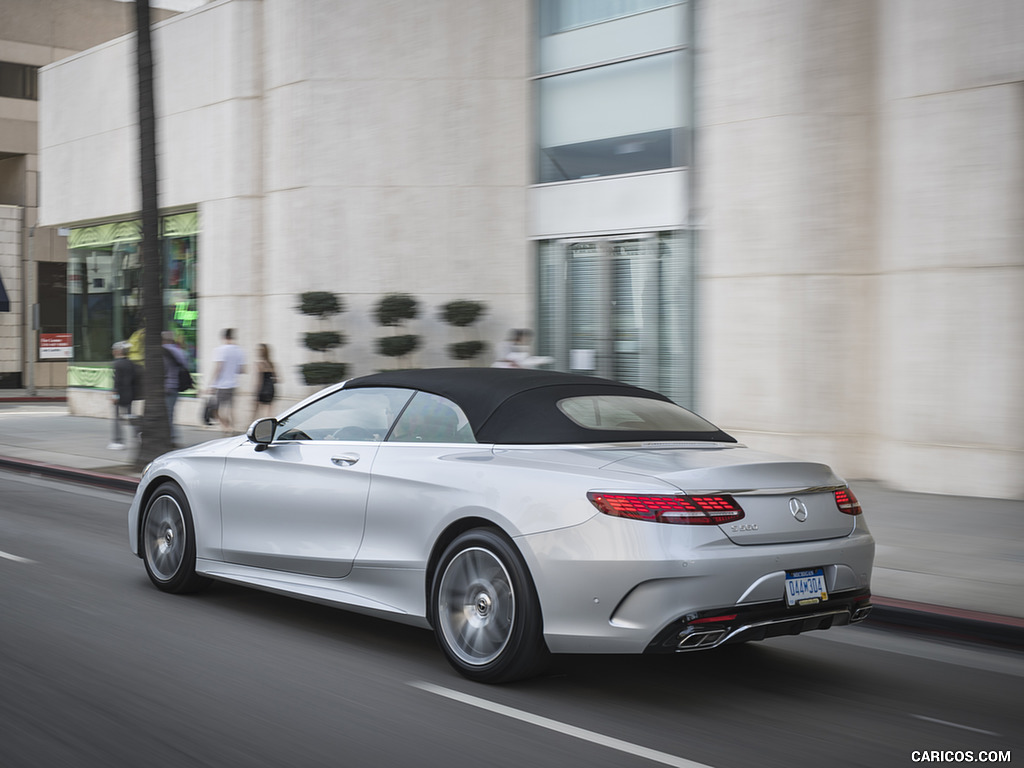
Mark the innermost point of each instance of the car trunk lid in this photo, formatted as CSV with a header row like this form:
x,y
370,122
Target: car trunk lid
x,y
783,500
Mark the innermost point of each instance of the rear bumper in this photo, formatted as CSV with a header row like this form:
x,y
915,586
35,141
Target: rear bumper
x,y
710,629
615,586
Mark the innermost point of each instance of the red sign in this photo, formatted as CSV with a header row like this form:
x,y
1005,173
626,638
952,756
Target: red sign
x,y
55,346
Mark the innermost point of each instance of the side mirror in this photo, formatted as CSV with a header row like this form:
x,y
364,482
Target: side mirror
x,y
262,433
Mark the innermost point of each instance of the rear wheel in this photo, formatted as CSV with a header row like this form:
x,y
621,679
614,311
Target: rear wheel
x,y
487,616
168,542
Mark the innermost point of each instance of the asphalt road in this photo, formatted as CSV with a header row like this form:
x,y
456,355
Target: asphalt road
x,y
98,668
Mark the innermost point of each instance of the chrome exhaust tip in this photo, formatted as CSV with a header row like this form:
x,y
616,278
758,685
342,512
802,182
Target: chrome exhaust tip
x,y
860,614
692,640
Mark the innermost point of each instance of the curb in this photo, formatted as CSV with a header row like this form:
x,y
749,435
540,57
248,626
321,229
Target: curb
x,y
97,479
887,612
951,623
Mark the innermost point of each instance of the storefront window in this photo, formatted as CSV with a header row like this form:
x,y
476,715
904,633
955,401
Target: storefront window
x,y
180,236
104,286
52,286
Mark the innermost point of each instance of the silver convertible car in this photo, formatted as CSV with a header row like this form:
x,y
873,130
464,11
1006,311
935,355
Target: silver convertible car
x,y
516,512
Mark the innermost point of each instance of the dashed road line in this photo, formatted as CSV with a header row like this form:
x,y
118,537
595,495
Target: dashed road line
x,y
954,725
559,727
15,558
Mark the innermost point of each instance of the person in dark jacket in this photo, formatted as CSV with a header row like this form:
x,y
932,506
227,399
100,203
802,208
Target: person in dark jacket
x,y
174,363
123,393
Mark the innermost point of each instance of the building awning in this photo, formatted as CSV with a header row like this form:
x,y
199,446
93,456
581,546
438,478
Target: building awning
x,y
5,303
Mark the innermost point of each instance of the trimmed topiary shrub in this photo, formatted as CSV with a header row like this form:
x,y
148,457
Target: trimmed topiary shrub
x,y
462,313
398,346
324,373
321,341
395,308
322,305
392,311
466,350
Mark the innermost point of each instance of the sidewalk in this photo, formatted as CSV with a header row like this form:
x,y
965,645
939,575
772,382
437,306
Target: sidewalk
x,y
943,563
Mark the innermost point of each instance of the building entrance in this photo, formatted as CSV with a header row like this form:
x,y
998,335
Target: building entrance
x,y
620,307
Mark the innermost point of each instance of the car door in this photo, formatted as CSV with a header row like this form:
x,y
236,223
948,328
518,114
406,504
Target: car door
x,y
299,504
420,474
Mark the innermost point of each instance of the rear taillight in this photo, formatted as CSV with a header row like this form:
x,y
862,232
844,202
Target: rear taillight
x,y
678,510
847,502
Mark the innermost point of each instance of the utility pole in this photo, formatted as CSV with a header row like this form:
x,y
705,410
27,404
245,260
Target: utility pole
x,y
156,432
31,345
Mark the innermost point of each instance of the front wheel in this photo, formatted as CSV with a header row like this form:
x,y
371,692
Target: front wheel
x,y
168,542
486,613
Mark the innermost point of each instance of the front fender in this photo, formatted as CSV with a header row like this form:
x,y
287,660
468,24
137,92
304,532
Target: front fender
x,y
199,475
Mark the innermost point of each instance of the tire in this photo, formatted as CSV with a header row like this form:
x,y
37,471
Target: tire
x,y
486,614
167,542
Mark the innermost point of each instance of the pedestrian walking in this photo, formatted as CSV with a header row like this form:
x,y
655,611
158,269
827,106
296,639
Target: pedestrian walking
x,y
176,376
125,376
228,365
266,375
515,351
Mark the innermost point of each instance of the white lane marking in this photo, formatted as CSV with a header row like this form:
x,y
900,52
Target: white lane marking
x,y
955,725
15,558
554,725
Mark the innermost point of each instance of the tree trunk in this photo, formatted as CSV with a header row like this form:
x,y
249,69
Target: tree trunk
x,y
156,433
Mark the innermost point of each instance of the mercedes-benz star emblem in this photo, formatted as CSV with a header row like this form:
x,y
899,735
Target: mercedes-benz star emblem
x,y
798,509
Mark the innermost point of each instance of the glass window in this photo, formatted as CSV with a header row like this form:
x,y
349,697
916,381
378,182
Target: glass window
x,y
621,308
432,419
104,297
562,15
19,81
631,414
588,35
621,118
52,282
180,288
104,286
363,415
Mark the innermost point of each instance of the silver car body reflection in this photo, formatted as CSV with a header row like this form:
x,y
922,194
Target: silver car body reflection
x,y
364,523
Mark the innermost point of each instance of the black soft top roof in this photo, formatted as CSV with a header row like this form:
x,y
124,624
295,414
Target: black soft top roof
x,y
520,406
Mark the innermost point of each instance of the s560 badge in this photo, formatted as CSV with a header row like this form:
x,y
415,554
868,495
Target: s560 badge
x,y
744,527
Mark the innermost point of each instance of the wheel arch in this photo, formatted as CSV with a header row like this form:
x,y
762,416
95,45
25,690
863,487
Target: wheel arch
x,y
446,537
147,494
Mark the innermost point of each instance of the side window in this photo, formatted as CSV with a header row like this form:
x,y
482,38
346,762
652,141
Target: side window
x,y
363,415
432,419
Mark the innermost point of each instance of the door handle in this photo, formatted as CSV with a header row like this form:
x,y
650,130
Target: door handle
x,y
345,459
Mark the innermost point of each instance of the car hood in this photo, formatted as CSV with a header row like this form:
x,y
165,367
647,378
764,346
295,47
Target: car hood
x,y
220,446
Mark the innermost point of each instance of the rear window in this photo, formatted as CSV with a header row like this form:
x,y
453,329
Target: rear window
x,y
631,414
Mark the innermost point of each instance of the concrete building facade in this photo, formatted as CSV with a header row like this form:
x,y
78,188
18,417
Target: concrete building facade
x,y
319,158
836,239
34,33
863,200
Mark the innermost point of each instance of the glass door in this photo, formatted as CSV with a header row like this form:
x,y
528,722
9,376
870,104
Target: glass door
x,y
634,311
620,308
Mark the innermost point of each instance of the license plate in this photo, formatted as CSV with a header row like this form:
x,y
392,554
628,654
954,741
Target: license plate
x,y
806,587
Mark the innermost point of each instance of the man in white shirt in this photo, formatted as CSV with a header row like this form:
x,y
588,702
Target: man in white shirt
x,y
228,365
